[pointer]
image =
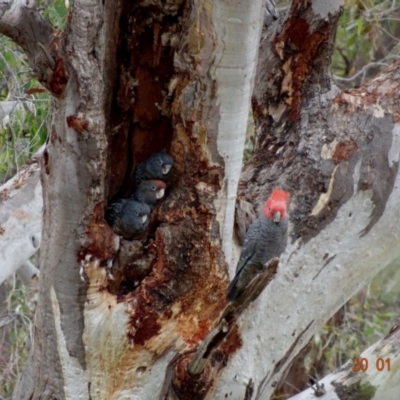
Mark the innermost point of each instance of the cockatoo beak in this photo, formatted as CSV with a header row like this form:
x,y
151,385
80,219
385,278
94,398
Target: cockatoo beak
x,y
277,217
166,168
160,194
144,218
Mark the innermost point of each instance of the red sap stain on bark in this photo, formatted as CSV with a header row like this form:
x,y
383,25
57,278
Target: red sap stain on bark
x,y
198,386
298,33
187,386
344,150
232,343
145,324
203,327
145,66
175,296
59,78
149,306
306,44
79,124
175,282
100,237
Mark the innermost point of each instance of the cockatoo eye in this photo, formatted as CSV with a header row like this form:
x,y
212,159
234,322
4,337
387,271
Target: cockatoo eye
x,y
153,188
159,162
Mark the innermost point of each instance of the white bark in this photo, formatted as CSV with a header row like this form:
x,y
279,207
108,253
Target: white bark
x,y
20,219
6,108
238,26
379,379
27,271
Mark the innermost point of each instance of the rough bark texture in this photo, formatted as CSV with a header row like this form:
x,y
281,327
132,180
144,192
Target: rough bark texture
x,y
73,172
302,372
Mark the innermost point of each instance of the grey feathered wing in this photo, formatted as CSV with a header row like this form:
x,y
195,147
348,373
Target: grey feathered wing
x,y
248,250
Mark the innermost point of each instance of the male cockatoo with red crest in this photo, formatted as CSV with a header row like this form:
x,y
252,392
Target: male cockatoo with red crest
x,y
265,239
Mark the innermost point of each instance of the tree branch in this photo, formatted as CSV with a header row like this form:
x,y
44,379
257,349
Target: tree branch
x,y
372,375
20,218
22,23
7,107
27,271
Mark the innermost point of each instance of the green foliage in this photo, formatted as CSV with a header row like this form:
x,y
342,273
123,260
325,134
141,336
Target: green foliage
x,y
24,130
54,11
366,318
361,322
367,40
15,335
250,139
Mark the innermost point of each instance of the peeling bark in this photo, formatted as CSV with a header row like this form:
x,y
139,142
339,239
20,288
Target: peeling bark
x,y
73,171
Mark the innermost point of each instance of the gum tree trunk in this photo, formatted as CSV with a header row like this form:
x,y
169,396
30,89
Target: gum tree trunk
x,y
131,78
128,79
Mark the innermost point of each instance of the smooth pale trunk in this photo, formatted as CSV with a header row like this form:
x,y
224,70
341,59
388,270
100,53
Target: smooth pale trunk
x,y
238,26
20,219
